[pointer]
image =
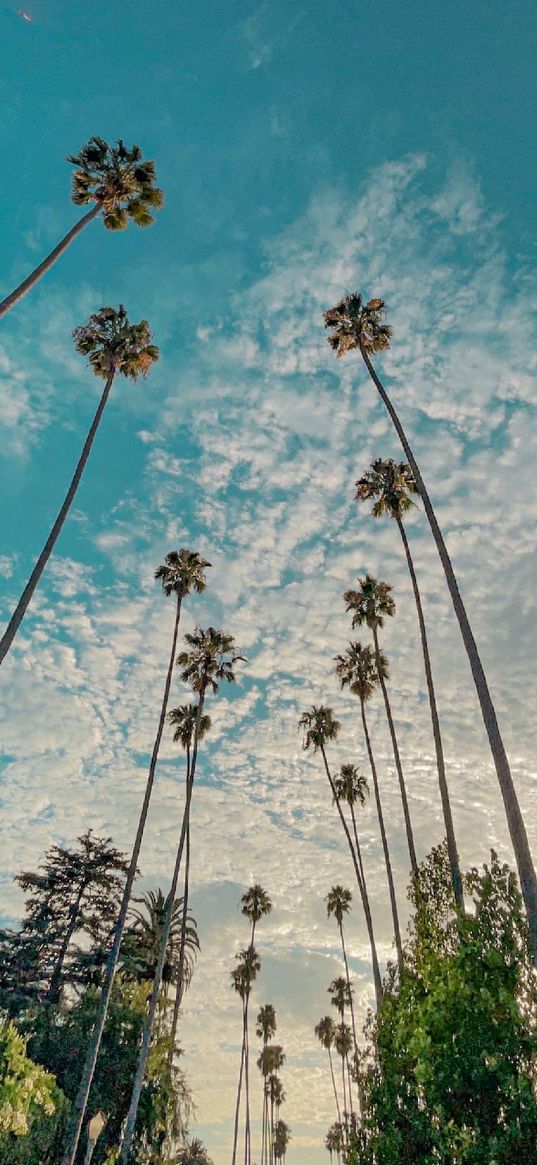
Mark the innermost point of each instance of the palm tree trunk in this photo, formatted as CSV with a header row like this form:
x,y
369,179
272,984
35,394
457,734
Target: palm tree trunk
x,y
81,1101
179,987
239,1093
27,594
397,758
351,1004
47,263
338,1110
157,979
345,1110
247,1146
264,1126
456,877
387,859
365,903
376,972
515,821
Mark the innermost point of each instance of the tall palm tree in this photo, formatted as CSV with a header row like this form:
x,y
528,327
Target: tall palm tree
x,y
338,903
351,788
276,1096
371,604
183,720
340,992
360,326
181,573
357,670
265,1030
119,184
210,660
242,977
326,1034
389,485
141,941
114,347
255,905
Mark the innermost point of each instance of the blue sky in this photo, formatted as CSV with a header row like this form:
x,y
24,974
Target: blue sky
x,y
303,150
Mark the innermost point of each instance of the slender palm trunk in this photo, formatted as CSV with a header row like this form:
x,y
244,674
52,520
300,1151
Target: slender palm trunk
x,y
338,1110
157,979
365,903
81,1101
27,594
38,272
515,821
343,1079
396,757
179,986
247,1145
264,1123
387,859
456,877
239,1094
376,972
55,982
351,1004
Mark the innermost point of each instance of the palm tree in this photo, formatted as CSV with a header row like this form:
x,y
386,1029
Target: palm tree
x,y
371,604
389,486
242,977
120,185
210,661
255,905
282,1136
351,787
183,720
357,670
113,347
360,326
276,1096
340,992
193,1153
181,573
335,1140
265,1030
338,903
326,1034
141,942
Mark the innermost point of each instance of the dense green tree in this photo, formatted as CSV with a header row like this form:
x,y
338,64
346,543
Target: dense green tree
x,y
25,1088
389,485
371,603
360,326
114,347
351,788
119,184
182,572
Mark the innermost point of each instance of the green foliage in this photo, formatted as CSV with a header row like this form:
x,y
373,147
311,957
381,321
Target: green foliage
x,y
452,1068
114,345
118,180
25,1087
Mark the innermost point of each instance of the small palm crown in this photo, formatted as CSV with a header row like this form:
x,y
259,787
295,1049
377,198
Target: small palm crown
x,y
370,603
210,660
112,344
357,670
319,726
266,1023
388,483
118,180
351,786
243,975
357,324
183,720
335,1139
275,1087
271,1059
340,993
343,1039
181,572
338,902
325,1031
255,903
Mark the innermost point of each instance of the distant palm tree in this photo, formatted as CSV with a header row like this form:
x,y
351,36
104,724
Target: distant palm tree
x,y
181,573
120,185
255,905
340,992
114,347
371,604
326,1034
265,1030
338,903
357,670
351,788
389,485
276,1096
360,326
282,1136
335,1140
210,660
242,977
193,1153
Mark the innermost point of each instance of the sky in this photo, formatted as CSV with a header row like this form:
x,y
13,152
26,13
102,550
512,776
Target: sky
x,y
304,151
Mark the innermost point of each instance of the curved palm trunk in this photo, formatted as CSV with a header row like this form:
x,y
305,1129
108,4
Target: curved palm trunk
x,y
239,1094
387,859
456,877
27,594
376,972
81,1101
38,272
338,1110
515,821
366,906
396,757
157,979
351,1004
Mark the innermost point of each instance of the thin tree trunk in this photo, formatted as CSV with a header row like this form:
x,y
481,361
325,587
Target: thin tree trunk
x,y
38,272
345,1110
338,1110
157,979
351,1004
264,1124
515,821
396,757
179,989
27,594
54,988
365,903
387,859
239,1093
376,972
247,1146
81,1101
456,877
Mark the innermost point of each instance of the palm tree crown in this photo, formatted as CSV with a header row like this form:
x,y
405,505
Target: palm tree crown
x,y
244,974
266,1023
183,720
320,726
338,902
112,344
181,572
271,1059
141,945
255,903
340,993
351,786
118,180
325,1032
371,603
210,660
357,325
389,484
357,670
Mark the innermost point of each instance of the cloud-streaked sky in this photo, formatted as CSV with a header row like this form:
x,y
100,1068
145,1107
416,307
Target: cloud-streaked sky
x,y
303,153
